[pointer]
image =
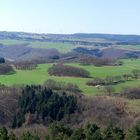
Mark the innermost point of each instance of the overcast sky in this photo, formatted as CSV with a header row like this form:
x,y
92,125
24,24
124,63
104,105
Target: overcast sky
x,y
71,16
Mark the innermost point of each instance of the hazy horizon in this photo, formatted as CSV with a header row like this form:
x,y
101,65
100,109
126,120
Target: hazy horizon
x,y
70,16
67,33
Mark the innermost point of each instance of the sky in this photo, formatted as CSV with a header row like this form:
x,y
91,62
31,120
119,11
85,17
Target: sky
x,y
71,16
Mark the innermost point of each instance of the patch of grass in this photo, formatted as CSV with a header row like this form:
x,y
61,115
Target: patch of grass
x,y
104,71
133,83
134,47
40,74
11,41
62,47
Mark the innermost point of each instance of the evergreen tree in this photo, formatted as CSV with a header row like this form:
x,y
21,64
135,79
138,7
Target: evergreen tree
x,y
12,136
3,134
134,133
113,132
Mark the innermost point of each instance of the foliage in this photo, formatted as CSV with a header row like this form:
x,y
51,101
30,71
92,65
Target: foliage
x,y
89,60
131,93
64,70
58,131
109,80
113,132
134,133
6,69
45,104
136,73
29,136
25,136
25,65
89,132
61,86
2,60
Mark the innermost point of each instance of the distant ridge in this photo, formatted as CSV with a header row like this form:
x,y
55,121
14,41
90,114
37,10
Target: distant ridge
x,y
37,36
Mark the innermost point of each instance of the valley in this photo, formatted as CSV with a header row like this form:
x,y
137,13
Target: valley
x,y
48,80
40,75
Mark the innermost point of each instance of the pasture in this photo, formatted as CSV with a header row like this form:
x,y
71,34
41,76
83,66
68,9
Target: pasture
x,y
61,47
40,74
131,47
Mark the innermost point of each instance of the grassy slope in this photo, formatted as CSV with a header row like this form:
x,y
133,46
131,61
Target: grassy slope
x,y
62,47
133,47
39,75
11,41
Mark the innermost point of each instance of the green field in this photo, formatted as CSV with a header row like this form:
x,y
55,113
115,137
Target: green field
x,y
134,47
11,41
62,47
39,75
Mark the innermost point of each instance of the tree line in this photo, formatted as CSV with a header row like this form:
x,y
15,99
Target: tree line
x,y
57,131
25,65
89,60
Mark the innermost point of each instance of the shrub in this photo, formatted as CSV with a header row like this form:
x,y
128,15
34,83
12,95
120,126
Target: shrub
x,y
113,133
25,65
134,133
6,69
136,73
2,60
51,84
99,61
63,70
131,93
109,80
96,81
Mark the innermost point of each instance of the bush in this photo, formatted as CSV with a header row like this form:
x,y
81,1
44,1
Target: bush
x,y
113,133
63,70
99,61
61,132
51,84
6,69
109,80
134,133
136,73
25,65
2,60
131,93
96,81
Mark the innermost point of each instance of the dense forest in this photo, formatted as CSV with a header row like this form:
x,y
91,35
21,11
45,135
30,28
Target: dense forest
x,y
45,105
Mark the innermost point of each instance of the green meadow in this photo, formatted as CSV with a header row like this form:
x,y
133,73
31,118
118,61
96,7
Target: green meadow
x,y
11,41
61,47
40,74
133,47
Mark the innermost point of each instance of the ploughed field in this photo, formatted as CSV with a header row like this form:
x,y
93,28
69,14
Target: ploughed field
x,y
40,75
